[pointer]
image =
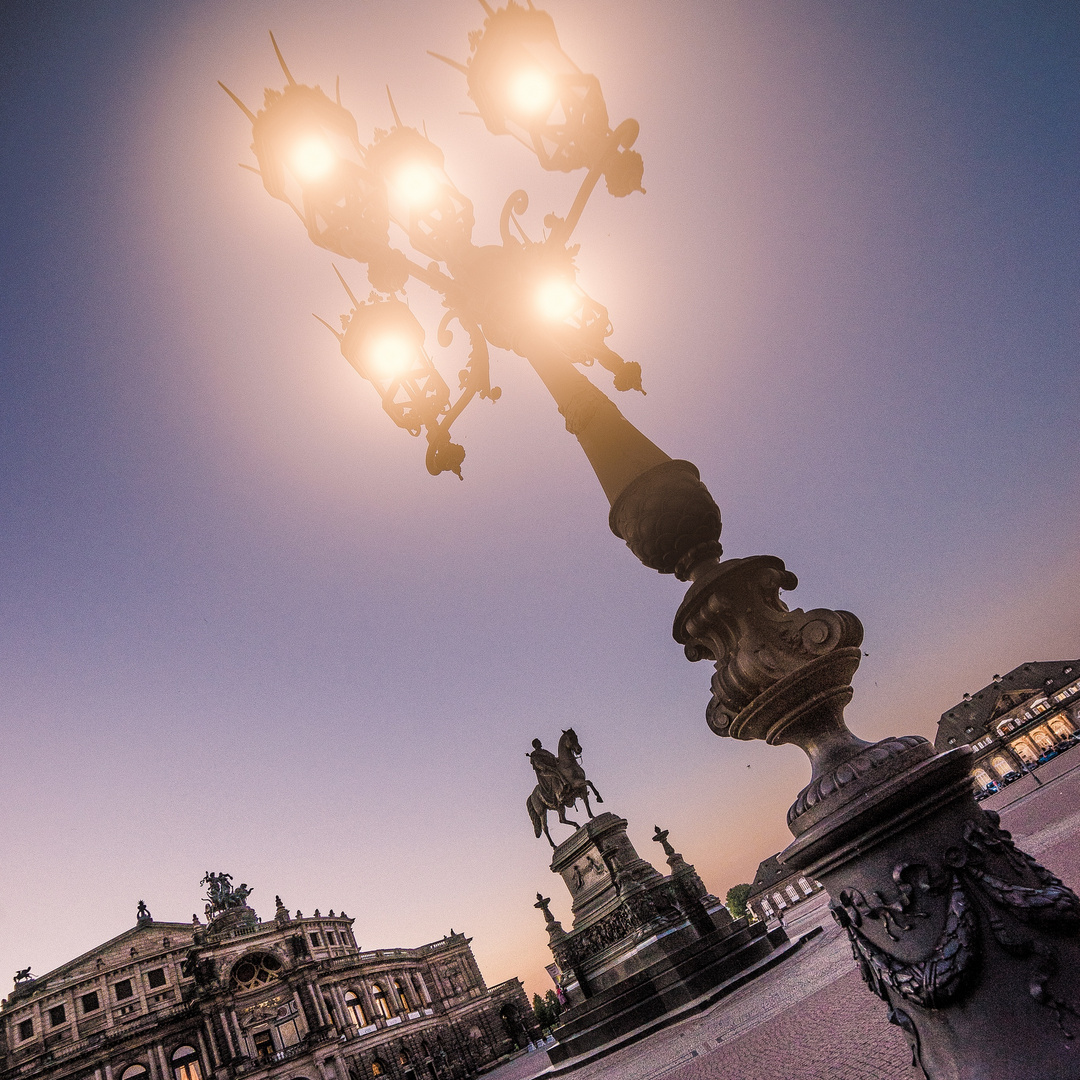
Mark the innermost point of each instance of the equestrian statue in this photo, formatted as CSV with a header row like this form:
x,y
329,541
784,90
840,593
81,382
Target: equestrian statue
x,y
561,781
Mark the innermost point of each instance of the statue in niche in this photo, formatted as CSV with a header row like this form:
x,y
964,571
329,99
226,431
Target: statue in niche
x,y
560,782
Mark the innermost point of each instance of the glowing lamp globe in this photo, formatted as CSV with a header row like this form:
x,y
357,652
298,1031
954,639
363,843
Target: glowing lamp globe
x,y
421,197
384,342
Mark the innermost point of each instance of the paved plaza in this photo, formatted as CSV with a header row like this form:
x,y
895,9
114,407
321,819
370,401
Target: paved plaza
x,y
823,1024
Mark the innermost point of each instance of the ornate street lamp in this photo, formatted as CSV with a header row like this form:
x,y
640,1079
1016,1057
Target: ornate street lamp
x,y
973,945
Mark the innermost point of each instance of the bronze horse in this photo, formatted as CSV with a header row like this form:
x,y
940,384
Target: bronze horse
x,y
576,786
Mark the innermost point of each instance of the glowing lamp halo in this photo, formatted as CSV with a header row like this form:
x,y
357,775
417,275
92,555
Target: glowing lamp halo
x,y
524,85
420,196
312,158
384,342
556,298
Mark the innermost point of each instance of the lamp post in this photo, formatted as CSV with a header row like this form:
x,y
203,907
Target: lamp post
x,y
974,947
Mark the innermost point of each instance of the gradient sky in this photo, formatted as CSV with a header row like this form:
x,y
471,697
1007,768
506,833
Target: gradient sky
x,y
242,629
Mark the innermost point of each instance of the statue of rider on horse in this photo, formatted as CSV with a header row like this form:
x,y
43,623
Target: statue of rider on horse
x,y
561,781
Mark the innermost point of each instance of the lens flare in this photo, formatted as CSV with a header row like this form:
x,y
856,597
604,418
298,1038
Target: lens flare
x,y
312,159
556,299
417,184
531,92
389,356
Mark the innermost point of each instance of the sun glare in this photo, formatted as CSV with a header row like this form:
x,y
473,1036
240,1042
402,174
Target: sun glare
x,y
389,356
556,299
531,92
417,184
312,158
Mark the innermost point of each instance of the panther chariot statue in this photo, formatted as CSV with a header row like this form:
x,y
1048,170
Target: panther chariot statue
x,y
561,781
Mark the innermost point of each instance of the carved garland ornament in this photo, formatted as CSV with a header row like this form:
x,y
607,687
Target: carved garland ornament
x,y
946,974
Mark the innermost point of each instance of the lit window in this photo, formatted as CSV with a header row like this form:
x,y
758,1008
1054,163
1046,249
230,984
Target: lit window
x,y
793,893
399,990
355,1008
264,1044
380,1002
377,1068
805,885
766,907
185,1064
57,1015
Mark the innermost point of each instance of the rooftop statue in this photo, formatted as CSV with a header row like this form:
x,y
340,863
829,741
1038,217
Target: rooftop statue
x,y
23,975
221,894
561,781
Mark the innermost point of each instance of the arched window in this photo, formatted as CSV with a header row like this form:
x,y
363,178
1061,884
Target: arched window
x,y
399,993
355,1008
133,1072
791,891
805,885
381,1003
185,1064
255,970
767,908
1043,739
779,900
378,1068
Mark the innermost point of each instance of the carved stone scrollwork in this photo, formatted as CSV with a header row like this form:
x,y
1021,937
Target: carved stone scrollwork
x,y
734,616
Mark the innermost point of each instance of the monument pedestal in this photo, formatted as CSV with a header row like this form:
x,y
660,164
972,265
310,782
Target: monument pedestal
x,y
645,949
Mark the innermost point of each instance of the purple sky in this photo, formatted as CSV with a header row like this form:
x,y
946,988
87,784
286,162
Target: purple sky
x,y
242,629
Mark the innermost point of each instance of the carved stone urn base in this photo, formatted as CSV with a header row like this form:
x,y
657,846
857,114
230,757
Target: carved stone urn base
x,y
645,949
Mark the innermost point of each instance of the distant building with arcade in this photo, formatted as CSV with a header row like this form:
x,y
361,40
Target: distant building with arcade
x,y
293,998
1018,719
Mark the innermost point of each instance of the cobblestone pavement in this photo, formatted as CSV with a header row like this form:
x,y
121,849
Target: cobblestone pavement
x,y
823,1022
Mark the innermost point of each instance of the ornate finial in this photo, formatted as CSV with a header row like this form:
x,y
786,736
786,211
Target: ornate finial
x,y
277,901
554,927
142,914
661,838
